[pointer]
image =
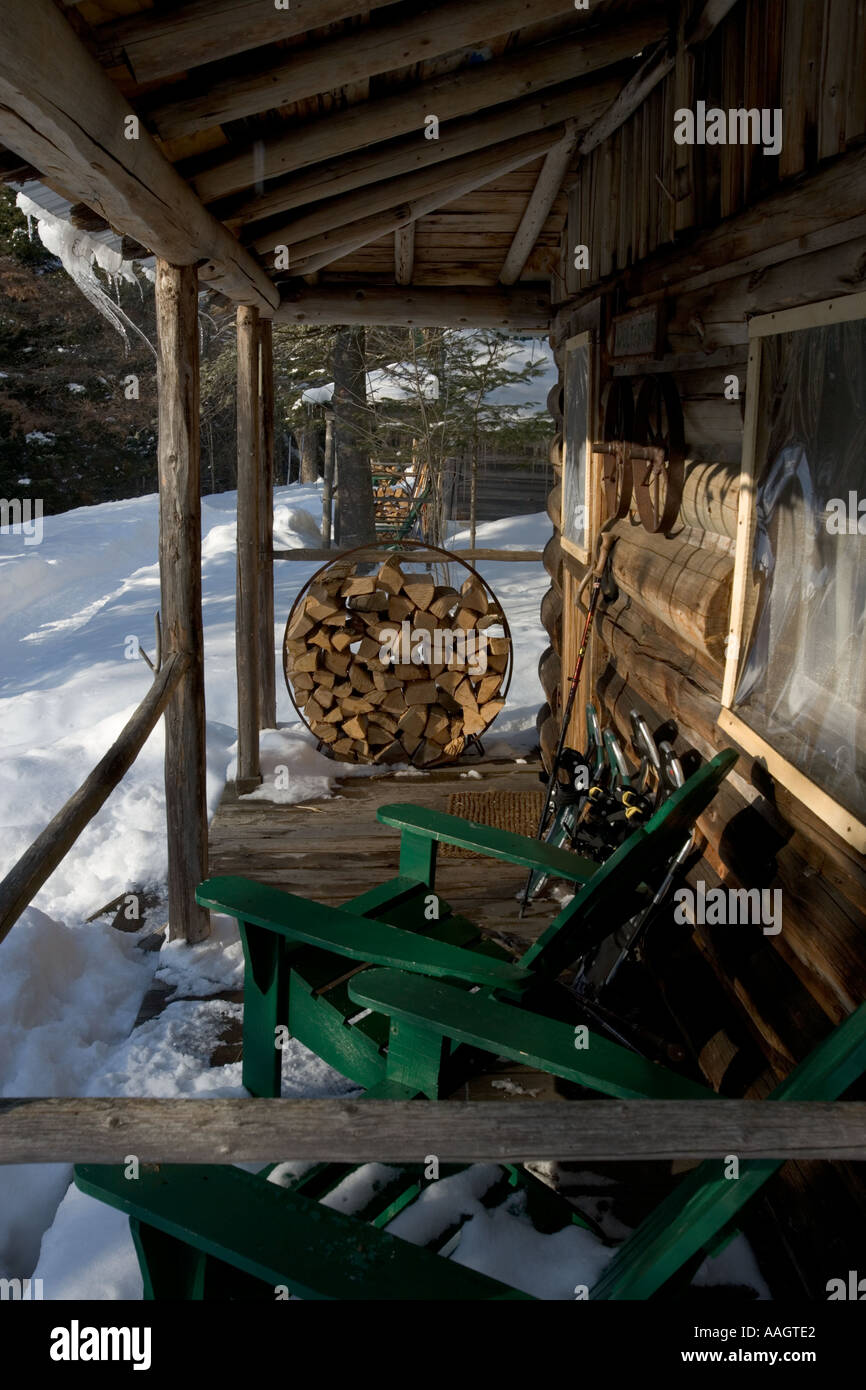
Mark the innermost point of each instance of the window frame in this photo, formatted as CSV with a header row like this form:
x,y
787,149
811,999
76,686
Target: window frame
x,y
581,553
821,314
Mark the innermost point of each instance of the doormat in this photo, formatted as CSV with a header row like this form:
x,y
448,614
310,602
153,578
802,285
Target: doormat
x,y
518,812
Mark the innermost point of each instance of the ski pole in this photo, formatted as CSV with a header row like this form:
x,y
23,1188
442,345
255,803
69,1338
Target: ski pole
x,y
606,542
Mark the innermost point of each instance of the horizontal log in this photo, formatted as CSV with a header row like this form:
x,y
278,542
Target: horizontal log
x,y
523,310
454,95
711,493
518,557
642,642
551,617
550,673
157,43
39,861
60,111
282,79
687,587
407,155
224,1130
718,316
552,560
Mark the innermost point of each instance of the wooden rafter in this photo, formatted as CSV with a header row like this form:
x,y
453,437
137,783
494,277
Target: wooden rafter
x,y
60,112
155,45
404,254
538,208
520,311
585,100
470,90
347,59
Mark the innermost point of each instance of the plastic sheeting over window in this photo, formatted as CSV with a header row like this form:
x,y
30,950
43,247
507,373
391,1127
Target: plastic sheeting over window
x,y
802,683
575,529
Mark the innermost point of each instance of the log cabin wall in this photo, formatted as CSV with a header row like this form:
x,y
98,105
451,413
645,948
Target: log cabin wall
x,y
714,235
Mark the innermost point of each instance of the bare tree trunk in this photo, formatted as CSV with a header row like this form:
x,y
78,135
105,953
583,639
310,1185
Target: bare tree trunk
x,y
473,495
328,484
356,523
309,452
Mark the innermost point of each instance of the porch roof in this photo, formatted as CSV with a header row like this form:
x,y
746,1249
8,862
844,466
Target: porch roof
x,y
438,163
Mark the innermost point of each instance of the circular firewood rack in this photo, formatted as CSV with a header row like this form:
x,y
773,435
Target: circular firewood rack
x,y
391,657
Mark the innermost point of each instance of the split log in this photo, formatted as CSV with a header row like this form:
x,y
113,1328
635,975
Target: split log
x,y
685,586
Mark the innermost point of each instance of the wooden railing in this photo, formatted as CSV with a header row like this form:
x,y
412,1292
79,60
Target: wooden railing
x,y
515,556
39,861
390,1131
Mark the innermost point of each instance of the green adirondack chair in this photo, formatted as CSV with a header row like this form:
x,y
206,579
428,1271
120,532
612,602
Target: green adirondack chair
x,y
301,956
219,1232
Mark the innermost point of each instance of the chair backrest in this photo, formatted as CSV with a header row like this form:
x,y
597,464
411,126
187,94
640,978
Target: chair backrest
x,y
612,895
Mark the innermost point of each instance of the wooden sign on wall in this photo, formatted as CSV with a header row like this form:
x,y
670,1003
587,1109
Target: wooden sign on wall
x,y
637,335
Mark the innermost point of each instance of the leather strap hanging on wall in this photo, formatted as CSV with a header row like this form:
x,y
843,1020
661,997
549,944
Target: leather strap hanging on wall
x,y
642,454
615,465
658,477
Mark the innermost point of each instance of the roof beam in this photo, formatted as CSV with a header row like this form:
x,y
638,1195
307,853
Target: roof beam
x,y
538,208
404,254
521,311
585,100
458,94
200,104
156,44
442,183
59,111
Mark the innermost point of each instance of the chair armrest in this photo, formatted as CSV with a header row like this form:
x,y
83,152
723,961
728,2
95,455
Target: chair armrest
x,y
428,824
509,1031
347,934
283,1237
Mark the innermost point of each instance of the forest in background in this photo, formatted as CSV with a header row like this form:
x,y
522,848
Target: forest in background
x,y
78,405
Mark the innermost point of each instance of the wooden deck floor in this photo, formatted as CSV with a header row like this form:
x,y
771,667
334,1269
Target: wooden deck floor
x,y
333,849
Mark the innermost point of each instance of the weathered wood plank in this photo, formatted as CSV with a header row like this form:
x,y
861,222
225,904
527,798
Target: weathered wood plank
x,y
404,254
157,43
267,651
457,94
179,462
247,611
350,1131
513,556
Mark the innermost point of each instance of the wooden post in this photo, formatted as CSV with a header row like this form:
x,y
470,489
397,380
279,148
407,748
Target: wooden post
x,y
267,689
328,483
180,587
247,641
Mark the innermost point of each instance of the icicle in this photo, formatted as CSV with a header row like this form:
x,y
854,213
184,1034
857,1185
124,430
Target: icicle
x,y
78,253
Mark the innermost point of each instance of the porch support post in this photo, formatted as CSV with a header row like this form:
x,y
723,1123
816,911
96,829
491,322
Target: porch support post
x,y
180,586
247,637
267,690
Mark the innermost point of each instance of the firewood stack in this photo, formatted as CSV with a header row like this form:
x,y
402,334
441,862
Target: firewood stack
x,y
375,682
